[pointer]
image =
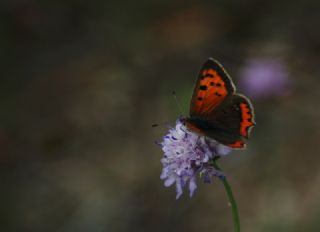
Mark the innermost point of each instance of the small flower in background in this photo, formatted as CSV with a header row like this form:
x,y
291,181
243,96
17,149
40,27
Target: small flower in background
x,y
186,155
264,77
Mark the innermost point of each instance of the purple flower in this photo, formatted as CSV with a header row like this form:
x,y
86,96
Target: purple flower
x,y
264,77
187,154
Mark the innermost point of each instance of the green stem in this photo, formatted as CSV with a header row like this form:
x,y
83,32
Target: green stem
x,y
233,203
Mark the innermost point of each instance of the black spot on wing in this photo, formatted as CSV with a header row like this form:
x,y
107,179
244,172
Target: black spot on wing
x,y
203,87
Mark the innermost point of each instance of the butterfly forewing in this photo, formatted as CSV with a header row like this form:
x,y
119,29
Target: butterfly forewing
x,y
213,86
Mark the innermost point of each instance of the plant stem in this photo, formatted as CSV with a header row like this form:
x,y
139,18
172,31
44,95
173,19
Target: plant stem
x,y
232,201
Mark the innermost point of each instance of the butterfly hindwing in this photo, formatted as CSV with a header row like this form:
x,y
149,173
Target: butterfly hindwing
x,y
213,86
234,120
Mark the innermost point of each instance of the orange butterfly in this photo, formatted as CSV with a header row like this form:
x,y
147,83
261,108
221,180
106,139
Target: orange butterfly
x,y
216,110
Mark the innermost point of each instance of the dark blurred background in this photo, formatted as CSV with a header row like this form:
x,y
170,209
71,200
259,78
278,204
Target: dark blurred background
x,y
83,81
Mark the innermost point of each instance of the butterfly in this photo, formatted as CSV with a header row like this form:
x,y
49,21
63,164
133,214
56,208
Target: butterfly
x,y
216,110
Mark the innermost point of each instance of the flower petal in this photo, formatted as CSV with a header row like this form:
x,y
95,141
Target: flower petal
x,y
192,186
168,182
178,189
223,150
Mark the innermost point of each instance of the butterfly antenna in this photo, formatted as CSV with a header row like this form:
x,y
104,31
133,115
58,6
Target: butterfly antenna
x,y
162,124
177,102
179,107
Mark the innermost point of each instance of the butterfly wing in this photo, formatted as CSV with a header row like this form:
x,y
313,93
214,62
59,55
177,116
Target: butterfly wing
x,y
213,86
231,122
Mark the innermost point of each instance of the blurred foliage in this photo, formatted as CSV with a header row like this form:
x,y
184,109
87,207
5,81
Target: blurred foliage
x,y
82,82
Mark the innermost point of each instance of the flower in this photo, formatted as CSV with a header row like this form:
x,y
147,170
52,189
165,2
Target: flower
x,y
187,154
264,77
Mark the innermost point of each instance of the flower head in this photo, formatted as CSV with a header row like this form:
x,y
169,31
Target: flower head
x,y
187,154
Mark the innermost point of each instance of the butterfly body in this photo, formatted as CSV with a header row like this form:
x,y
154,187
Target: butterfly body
x,y
216,110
